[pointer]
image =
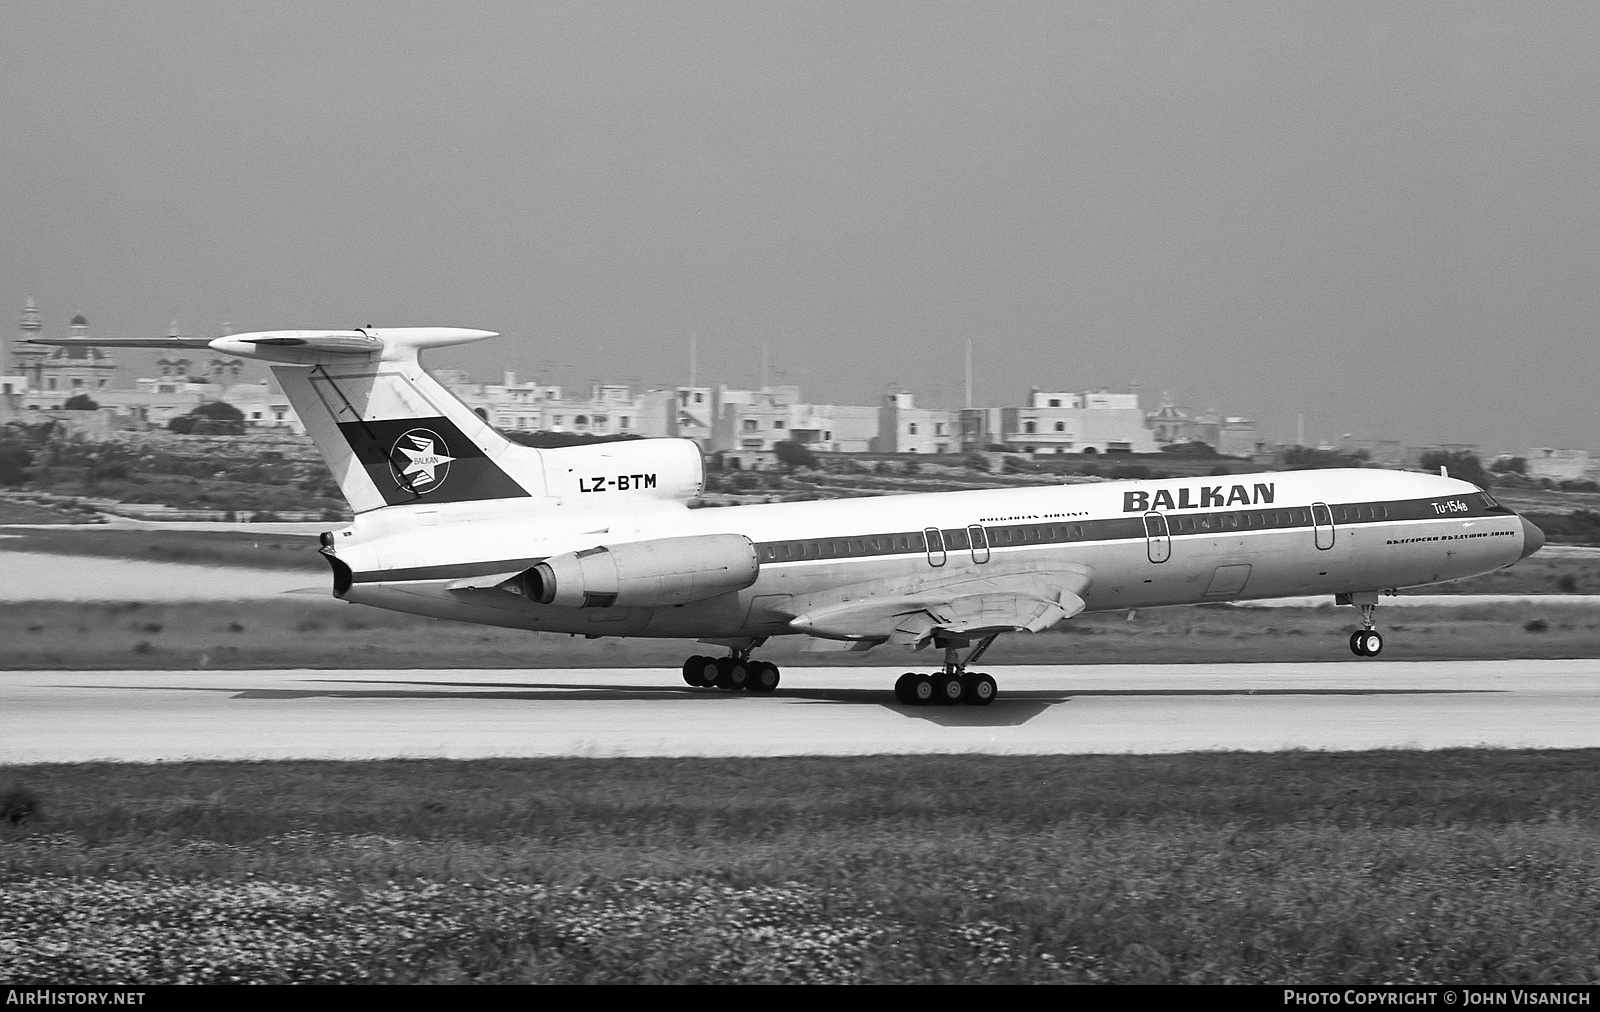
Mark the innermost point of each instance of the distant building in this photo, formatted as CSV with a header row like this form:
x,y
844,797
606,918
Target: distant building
x,y
758,420
611,409
25,359
1382,452
1556,464
905,428
1089,422
1231,435
49,377
691,412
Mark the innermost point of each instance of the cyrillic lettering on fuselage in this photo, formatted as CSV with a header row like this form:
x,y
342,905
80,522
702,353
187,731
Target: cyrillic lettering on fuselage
x,y
1205,497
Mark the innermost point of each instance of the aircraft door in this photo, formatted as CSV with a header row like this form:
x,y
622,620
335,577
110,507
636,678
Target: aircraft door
x,y
979,539
1158,540
934,538
1322,525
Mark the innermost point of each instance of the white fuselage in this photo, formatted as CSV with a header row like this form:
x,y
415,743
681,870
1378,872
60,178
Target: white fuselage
x,y
1138,544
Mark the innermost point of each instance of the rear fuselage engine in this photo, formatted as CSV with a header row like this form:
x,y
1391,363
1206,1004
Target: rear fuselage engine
x,y
643,574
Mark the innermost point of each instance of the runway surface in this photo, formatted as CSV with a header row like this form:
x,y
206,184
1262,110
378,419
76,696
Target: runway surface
x,y
55,716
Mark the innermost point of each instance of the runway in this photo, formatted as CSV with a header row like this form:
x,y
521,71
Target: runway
x,y
56,716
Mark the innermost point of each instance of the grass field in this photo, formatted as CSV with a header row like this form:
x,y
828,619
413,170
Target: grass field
x,y
1464,867
303,631
247,549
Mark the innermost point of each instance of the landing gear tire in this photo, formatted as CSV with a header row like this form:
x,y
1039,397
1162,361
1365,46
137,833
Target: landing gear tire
x,y
763,677
700,671
905,689
922,690
978,689
1366,643
947,689
732,674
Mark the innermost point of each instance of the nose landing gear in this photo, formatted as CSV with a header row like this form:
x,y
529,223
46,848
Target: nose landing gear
x,y
1366,641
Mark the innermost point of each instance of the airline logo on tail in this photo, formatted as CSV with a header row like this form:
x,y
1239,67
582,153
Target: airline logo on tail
x,y
412,459
420,460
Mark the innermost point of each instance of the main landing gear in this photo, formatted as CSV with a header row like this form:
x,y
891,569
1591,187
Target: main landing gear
x,y
955,684
733,673
1366,641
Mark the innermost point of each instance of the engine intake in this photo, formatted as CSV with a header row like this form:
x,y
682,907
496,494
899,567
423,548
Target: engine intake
x,y
644,574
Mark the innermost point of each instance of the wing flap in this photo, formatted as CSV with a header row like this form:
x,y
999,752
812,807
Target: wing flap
x,y
1021,603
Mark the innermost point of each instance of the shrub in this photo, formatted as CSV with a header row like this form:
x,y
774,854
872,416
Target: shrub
x,y
80,402
792,454
1190,449
1300,458
220,411
217,427
1459,463
18,804
14,463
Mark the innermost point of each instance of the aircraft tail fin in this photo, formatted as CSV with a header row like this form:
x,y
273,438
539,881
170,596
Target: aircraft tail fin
x,y
390,433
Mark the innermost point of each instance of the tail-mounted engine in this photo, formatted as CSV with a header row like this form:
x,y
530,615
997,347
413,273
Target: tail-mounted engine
x,y
643,574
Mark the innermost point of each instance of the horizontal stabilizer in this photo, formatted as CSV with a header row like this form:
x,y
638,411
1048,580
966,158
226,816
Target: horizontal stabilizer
x,y
305,347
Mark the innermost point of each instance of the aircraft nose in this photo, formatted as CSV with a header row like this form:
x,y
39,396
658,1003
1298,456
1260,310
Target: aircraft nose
x,y
1532,538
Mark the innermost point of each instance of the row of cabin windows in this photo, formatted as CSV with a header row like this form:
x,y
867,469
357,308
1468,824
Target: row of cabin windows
x,y
1200,523
957,538
1345,514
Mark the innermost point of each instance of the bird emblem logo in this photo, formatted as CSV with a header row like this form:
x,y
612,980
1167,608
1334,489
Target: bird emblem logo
x,y
420,461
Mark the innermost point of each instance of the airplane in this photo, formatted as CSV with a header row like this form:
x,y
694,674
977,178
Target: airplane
x,y
455,521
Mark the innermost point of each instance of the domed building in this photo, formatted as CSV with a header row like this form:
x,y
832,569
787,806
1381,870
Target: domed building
x,y
72,369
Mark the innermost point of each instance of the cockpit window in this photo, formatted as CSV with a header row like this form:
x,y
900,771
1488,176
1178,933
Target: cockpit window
x,y
1488,501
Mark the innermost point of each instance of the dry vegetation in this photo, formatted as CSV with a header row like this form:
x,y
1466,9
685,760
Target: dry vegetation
x,y
306,631
1452,866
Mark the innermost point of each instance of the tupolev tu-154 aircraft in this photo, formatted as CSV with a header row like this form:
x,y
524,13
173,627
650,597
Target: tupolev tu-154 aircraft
x,y
453,520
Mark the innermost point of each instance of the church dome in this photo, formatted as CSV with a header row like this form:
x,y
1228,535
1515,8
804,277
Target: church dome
x,y
77,353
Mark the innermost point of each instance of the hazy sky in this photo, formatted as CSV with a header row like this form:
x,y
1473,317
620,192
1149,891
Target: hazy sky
x,y
1381,215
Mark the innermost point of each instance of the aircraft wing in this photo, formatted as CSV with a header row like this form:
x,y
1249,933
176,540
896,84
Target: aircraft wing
x,y
1022,602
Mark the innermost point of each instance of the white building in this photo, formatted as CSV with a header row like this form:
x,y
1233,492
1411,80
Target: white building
x,y
758,420
611,409
1557,464
905,428
1089,422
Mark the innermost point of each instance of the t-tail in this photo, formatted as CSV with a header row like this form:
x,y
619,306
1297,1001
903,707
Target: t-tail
x,y
393,435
